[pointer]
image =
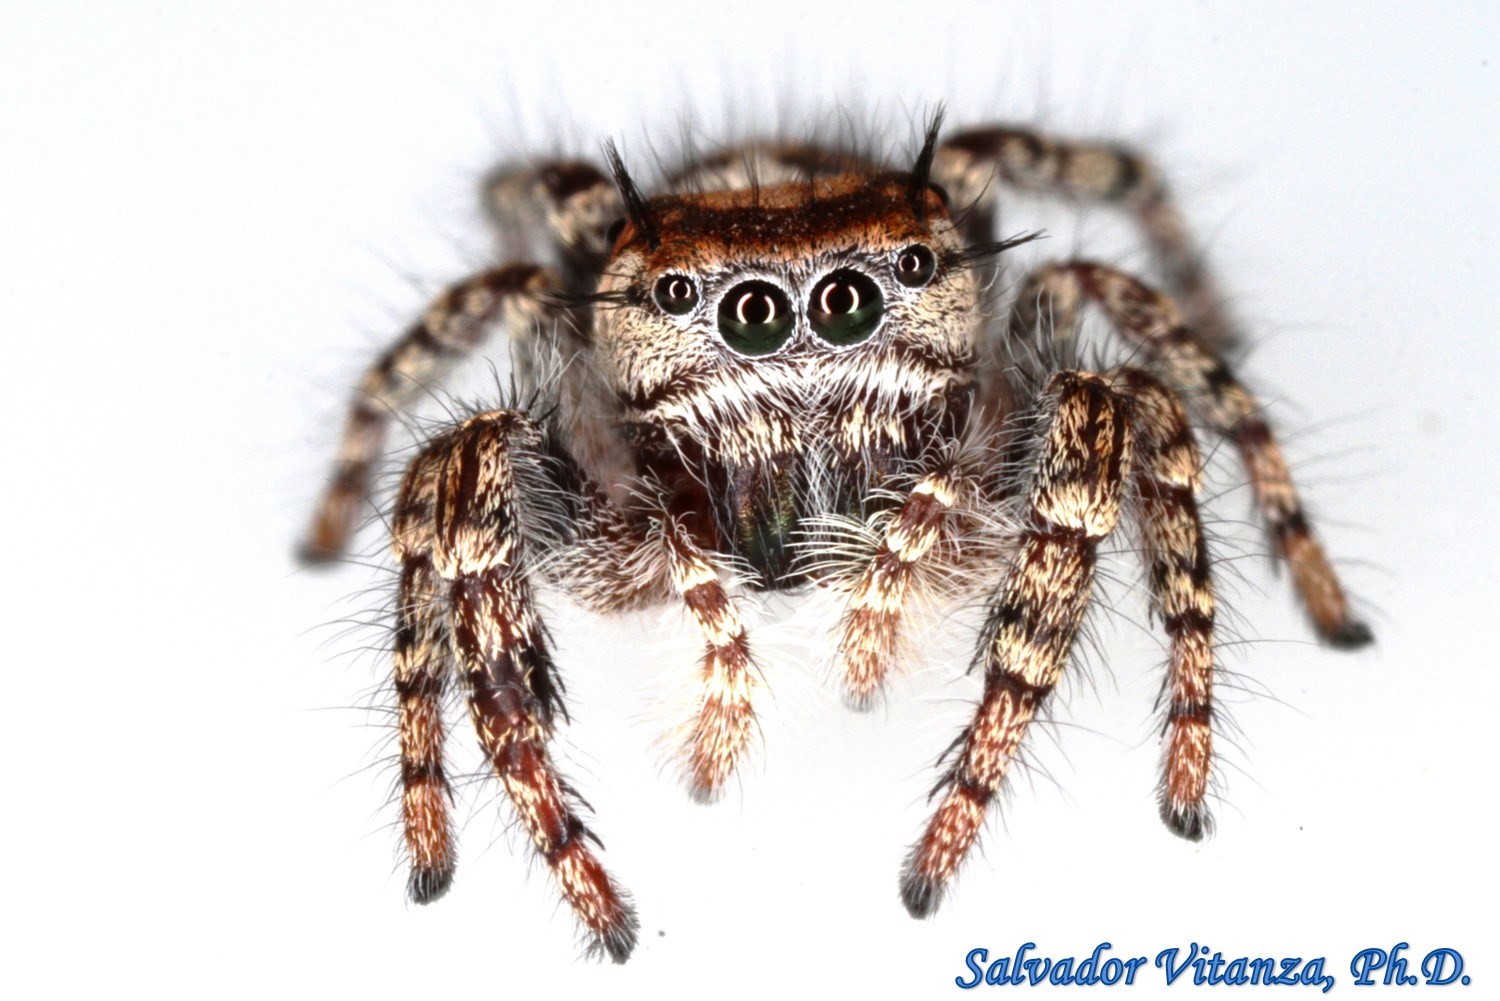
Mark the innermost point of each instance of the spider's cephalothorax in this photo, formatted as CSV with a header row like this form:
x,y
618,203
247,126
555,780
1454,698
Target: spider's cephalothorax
x,y
794,349
780,372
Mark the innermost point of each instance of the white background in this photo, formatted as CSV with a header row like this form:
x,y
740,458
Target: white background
x,y
212,216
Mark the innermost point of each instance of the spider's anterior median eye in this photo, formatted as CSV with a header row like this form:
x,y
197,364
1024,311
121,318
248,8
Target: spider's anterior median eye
x,y
915,266
755,318
845,307
675,294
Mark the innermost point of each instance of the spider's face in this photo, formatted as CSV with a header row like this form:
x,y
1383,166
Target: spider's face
x,y
788,300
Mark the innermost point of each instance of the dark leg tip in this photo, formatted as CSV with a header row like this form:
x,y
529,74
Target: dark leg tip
x,y
311,554
704,793
1192,823
618,942
424,886
920,894
1351,636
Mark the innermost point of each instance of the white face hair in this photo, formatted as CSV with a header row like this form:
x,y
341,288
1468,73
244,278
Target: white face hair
x,y
791,324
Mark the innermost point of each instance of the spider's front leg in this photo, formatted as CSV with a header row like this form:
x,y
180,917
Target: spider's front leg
x,y
475,513
1075,498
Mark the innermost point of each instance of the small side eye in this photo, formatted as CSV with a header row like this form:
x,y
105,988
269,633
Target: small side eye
x,y
915,266
675,294
755,318
845,307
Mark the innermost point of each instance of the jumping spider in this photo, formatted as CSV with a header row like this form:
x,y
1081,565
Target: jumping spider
x,y
782,371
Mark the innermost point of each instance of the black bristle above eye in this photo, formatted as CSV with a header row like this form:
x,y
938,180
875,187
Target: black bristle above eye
x,y
921,171
978,253
636,206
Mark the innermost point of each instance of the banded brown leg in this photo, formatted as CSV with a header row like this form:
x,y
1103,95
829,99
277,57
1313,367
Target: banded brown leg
x,y
1166,481
1076,492
455,323
423,665
1153,322
968,163
480,484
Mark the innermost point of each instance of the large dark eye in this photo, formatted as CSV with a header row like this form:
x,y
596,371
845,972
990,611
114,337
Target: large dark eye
x,y
675,294
845,307
915,266
755,318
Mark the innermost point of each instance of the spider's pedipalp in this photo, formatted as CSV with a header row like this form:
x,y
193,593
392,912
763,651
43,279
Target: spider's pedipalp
x,y
870,634
724,726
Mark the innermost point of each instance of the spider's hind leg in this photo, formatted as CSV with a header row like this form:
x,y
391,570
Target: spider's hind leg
x,y
1090,173
571,202
1156,326
574,203
1166,480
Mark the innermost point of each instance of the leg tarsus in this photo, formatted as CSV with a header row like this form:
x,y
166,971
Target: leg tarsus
x,y
1192,822
425,885
1352,635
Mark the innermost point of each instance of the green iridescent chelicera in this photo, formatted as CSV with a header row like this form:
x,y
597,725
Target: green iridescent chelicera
x,y
755,318
845,307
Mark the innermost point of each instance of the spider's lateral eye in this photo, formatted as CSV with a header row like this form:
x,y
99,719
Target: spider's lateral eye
x,y
675,293
915,266
755,318
612,234
845,307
